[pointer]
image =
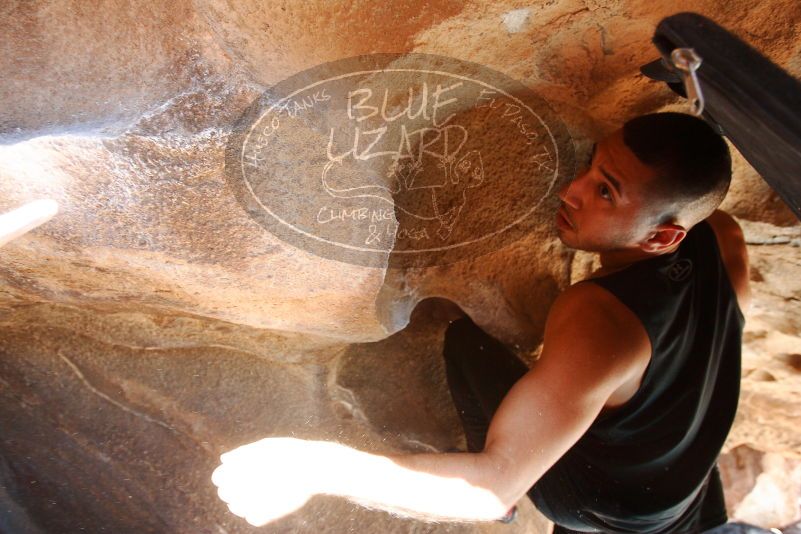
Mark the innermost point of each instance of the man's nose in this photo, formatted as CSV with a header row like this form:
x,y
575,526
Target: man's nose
x,y
569,193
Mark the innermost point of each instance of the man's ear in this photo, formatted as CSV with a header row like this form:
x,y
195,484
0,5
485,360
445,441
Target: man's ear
x,y
663,236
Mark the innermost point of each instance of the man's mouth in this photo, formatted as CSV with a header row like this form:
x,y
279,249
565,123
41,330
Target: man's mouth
x,y
562,219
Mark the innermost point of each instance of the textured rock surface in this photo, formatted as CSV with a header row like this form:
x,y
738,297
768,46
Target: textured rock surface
x,y
104,432
770,402
153,324
753,479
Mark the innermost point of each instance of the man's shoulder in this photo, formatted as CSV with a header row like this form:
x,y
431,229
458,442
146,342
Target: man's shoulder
x,y
723,223
590,331
588,298
728,234
587,309
734,254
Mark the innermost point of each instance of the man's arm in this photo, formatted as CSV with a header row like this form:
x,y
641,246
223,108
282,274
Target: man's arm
x,y
588,353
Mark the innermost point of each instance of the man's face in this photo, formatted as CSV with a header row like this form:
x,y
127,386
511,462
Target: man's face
x,y
603,208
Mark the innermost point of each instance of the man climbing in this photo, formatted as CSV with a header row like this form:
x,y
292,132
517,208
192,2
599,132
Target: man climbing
x,y
618,424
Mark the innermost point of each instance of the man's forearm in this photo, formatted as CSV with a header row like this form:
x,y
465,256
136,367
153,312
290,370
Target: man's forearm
x,y
433,487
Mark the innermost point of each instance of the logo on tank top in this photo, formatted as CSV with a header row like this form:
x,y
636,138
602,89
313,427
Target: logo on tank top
x,y
680,270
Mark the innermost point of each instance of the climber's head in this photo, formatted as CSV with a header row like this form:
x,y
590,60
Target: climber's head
x,y
646,185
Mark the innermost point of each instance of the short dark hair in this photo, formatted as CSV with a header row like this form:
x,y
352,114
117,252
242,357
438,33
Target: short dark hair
x,y
691,158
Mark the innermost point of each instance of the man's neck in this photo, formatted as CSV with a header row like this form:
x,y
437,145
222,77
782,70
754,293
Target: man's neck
x,y
615,260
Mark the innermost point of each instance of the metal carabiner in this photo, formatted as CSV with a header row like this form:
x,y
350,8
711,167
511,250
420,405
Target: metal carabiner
x,y
687,62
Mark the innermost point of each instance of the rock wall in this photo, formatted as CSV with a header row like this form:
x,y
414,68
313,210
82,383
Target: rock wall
x,y
154,324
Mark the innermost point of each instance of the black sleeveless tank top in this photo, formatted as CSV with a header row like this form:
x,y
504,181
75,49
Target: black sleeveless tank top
x,y
639,466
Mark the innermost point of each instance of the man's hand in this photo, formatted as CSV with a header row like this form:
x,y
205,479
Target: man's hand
x,y
268,479
271,478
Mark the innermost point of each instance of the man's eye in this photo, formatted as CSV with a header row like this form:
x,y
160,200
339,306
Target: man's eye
x,y
605,192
